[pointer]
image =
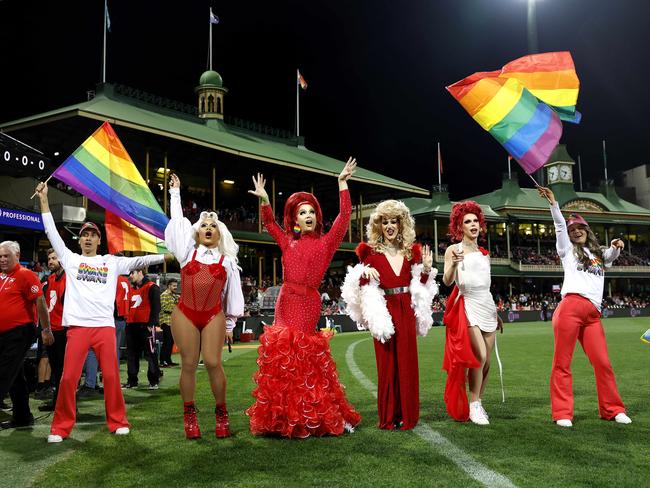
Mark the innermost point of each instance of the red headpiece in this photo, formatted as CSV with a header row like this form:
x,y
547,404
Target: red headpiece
x,y
291,211
576,218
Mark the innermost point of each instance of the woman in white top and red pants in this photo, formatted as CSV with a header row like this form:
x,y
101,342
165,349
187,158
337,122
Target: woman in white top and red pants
x,y
577,317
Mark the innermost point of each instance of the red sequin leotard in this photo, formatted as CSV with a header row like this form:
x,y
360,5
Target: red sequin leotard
x,y
298,392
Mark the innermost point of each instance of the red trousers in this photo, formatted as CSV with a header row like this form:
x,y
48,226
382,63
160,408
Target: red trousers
x,y
80,339
576,318
398,385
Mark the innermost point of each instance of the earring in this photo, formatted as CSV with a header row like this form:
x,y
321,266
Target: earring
x,y
381,239
399,238
296,230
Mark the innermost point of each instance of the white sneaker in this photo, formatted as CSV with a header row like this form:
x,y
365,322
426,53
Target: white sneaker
x,y
564,423
476,414
53,439
483,410
122,431
622,418
348,428
153,387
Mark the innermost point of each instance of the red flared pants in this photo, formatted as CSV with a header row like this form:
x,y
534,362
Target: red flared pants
x,y
577,319
80,339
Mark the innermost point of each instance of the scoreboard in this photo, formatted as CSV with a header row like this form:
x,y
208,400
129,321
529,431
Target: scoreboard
x,y
19,159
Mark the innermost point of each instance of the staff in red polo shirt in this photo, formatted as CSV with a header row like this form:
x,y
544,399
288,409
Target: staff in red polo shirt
x,y
21,295
54,291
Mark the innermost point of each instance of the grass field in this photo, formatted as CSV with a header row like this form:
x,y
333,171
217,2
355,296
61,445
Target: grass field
x,y
521,447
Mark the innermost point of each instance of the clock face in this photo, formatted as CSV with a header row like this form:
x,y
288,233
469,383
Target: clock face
x,y
565,172
553,173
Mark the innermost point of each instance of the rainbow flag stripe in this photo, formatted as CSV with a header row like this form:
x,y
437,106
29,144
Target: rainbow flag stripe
x,y
123,236
103,171
507,104
552,78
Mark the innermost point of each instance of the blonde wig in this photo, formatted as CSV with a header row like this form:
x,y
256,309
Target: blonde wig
x,y
227,245
389,209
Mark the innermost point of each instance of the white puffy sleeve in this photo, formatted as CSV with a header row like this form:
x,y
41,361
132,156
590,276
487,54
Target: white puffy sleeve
x,y
179,234
233,297
563,243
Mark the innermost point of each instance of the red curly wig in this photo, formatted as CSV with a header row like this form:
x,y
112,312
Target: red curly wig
x,y
458,211
291,211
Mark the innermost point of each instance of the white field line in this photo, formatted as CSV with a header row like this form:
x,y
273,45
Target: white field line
x,y
444,446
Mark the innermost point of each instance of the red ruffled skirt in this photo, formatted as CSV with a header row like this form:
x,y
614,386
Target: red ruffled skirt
x,y
298,393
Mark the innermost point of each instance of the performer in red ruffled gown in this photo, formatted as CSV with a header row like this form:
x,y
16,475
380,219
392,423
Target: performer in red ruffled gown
x,y
391,293
298,392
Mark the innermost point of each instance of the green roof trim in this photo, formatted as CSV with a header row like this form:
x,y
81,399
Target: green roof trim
x,y
125,111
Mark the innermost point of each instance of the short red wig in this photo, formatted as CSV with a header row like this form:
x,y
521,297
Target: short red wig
x,y
291,211
458,212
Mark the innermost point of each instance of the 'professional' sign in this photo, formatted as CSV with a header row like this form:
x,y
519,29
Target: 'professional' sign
x,y
19,218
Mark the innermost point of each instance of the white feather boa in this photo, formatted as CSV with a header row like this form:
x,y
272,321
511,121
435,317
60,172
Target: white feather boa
x,y
422,295
351,293
366,305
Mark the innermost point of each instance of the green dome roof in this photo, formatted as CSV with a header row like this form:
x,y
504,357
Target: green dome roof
x,y
211,78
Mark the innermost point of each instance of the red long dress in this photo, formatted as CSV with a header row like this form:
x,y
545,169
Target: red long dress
x,y
298,393
398,382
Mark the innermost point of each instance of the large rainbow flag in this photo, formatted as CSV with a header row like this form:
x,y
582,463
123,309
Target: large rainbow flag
x,y
103,171
123,236
522,104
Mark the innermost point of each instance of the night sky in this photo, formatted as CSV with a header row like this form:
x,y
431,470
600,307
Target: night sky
x,y
376,71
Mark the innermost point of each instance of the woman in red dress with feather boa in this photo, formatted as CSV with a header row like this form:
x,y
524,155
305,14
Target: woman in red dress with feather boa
x,y
391,292
298,392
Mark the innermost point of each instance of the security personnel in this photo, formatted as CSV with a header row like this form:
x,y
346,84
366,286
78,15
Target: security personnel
x,y
141,323
54,292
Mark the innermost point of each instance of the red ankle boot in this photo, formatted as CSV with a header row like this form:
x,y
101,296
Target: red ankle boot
x,y
222,428
192,430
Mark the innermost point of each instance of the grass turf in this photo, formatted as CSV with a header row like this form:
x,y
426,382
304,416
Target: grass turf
x,y
521,443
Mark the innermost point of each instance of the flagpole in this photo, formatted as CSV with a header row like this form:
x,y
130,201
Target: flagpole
x,y
210,41
104,47
509,169
580,171
439,175
297,103
605,159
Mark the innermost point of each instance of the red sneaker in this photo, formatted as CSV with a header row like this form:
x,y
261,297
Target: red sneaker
x,y
222,428
192,430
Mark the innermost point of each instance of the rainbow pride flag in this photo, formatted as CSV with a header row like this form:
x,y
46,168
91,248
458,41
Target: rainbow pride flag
x,y
123,236
103,171
506,103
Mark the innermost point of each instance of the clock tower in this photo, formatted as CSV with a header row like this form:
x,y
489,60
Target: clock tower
x,y
559,174
559,168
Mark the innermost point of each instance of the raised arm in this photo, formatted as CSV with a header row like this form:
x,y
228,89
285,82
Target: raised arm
x,y
563,243
50,227
179,235
340,226
452,258
268,218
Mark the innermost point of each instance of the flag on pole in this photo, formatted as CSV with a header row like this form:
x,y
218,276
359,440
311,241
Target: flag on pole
x,y
103,171
123,236
503,103
108,17
213,18
301,81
